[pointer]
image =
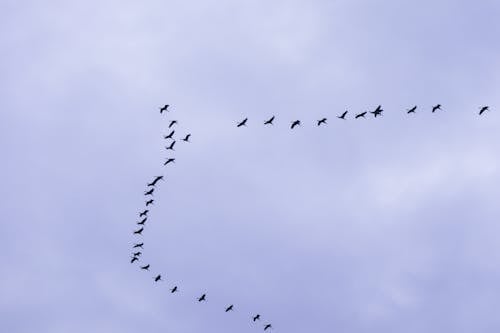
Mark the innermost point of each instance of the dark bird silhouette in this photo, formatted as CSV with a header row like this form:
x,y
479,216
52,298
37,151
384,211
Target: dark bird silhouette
x,y
322,121
171,147
146,268
144,213
138,245
172,123
343,115
483,109
295,123
142,221
229,308
164,108
149,202
153,183
173,290
133,259
242,123
270,121
412,110
377,112
186,139
170,135
267,326
158,278
202,298
170,160
436,107
137,254
257,317
139,232
150,192
360,115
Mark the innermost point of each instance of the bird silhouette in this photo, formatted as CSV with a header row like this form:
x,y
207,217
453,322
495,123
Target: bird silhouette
x,y
170,160
142,221
173,290
149,202
268,326
171,147
322,121
153,183
137,254
229,308
412,110
360,115
139,231
164,108
170,135
186,139
202,298
150,192
138,245
158,278
436,107
133,259
146,268
483,109
269,121
257,317
295,123
343,115
377,112
144,213
172,123
242,123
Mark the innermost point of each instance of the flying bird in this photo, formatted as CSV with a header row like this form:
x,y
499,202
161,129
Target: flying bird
x,y
170,160
202,298
150,192
483,109
186,139
343,115
133,259
138,232
270,121
360,115
146,268
137,245
137,254
229,308
412,110
267,326
144,213
158,278
436,107
164,108
257,317
153,183
322,121
295,123
142,221
378,111
149,202
173,290
172,123
170,135
171,147
242,123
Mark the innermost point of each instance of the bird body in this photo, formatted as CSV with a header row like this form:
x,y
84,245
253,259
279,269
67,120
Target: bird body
x,y
172,123
150,192
186,139
483,109
229,308
139,232
144,213
149,202
170,135
412,110
267,327
321,121
138,245
170,160
202,298
158,278
295,123
146,268
377,112
153,183
134,259
257,317
164,108
142,221
436,107
137,254
171,147
173,290
269,121
360,115
242,123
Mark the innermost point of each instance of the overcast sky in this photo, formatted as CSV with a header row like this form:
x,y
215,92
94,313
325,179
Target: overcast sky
x,y
369,225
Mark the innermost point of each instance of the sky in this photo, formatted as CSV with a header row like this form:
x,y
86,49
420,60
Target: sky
x,y
369,225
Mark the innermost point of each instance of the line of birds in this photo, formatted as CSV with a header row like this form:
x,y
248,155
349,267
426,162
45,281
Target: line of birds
x,y
376,113
138,247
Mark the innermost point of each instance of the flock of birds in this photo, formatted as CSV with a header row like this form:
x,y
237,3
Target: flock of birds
x,y
138,247
376,113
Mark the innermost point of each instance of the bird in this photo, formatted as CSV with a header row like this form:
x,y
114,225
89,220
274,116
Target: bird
x,y
186,139
173,290
267,326
144,213
229,308
378,111
295,123
172,123
138,245
133,259
170,135
153,183
257,317
412,110
483,109
164,108
436,107
242,123
202,298
360,115
343,115
170,160
137,254
322,121
150,192
269,121
158,278
142,221
146,268
171,147
149,202
138,232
